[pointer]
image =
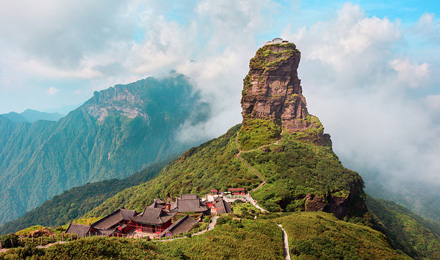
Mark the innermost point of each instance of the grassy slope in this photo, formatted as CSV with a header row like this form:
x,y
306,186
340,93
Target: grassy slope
x,y
311,236
78,201
407,231
318,235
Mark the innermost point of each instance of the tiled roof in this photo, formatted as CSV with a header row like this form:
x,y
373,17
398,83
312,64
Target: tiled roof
x,y
236,189
114,218
222,206
190,205
79,229
188,197
158,204
153,216
183,225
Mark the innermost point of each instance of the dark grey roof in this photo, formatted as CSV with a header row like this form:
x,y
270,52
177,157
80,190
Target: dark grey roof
x,y
158,204
222,206
113,219
160,201
188,203
188,197
79,229
183,225
153,216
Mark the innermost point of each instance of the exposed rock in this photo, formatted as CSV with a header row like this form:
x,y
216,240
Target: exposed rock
x,y
335,205
272,90
115,100
40,232
314,203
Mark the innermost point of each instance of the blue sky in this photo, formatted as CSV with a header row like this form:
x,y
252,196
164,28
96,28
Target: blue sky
x,y
369,69
34,57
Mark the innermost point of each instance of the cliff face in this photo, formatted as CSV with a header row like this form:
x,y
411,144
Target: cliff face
x,y
272,90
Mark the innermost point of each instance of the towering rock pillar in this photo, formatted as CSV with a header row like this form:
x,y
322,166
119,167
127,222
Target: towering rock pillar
x,y
272,90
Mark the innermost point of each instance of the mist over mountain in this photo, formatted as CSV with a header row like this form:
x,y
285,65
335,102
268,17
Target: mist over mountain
x,y
114,134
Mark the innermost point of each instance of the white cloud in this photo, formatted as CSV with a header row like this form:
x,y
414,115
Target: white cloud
x,y
428,27
411,74
52,91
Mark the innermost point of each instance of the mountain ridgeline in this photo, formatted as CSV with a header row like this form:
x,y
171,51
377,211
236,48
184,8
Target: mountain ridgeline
x,y
119,131
31,116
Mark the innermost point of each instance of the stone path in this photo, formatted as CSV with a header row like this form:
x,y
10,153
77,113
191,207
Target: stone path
x,y
254,202
285,243
51,244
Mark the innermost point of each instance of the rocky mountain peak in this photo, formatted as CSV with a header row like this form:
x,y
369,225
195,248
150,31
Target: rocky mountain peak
x,y
272,90
119,100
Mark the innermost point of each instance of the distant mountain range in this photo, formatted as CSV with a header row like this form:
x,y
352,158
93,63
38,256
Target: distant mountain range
x,y
117,132
31,116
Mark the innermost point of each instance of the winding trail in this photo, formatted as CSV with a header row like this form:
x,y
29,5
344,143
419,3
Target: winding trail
x,y
285,243
263,181
246,163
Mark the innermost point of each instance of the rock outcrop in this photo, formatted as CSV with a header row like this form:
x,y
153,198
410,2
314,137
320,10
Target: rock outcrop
x,y
272,90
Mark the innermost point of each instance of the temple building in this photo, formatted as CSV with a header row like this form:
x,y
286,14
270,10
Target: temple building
x,y
79,229
155,220
220,206
189,203
115,224
237,191
152,220
181,226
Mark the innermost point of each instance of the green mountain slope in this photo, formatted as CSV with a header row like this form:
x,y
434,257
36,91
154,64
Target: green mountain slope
x,y
77,201
417,237
116,133
215,165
